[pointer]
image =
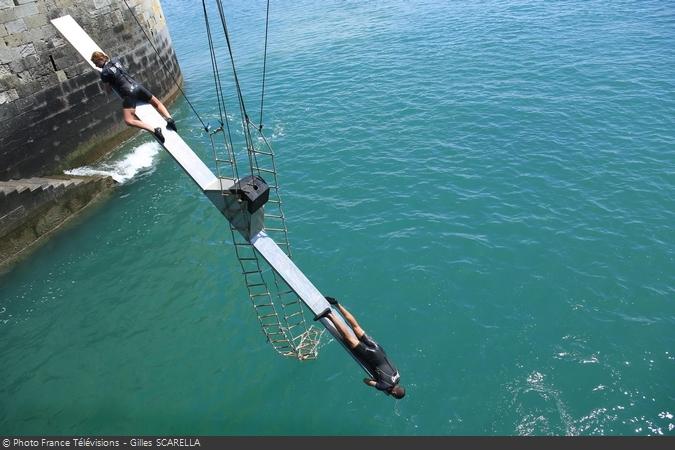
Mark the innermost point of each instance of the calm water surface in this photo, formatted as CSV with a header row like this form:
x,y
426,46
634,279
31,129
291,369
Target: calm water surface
x,y
490,186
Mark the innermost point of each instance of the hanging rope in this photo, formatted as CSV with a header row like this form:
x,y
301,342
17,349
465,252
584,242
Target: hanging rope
x,y
262,90
219,94
214,65
206,128
242,107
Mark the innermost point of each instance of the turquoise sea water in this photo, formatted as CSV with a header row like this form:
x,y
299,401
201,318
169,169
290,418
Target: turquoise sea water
x,y
489,186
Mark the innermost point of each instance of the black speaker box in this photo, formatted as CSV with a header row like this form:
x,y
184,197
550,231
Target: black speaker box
x,y
253,190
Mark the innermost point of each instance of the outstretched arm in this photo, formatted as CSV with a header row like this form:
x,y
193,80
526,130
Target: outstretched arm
x,y
344,331
358,331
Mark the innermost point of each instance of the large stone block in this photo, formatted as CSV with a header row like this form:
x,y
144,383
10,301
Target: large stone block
x,y
31,116
56,106
57,42
7,82
7,112
44,72
98,4
41,33
100,13
31,61
7,14
26,10
76,97
46,95
66,61
36,21
16,26
8,96
24,77
27,50
92,90
75,83
8,54
4,4
17,66
25,103
62,51
17,39
117,18
43,47
29,88
72,114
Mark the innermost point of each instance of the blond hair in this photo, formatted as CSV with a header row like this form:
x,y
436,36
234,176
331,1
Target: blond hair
x,y
99,56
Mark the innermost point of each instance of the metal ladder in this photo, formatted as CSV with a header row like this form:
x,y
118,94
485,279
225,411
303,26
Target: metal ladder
x,y
278,309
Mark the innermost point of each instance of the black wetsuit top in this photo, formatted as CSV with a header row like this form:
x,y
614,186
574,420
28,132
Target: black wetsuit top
x,y
126,87
373,356
114,73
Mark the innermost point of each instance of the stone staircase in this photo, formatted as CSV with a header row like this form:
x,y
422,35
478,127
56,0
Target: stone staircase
x,y
32,184
32,207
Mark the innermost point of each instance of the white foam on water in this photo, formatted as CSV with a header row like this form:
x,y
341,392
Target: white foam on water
x,y
138,161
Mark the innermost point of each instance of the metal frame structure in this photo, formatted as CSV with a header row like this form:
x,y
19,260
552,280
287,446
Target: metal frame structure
x,y
250,227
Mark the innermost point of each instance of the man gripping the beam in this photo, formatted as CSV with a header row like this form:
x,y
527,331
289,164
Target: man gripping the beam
x,y
115,76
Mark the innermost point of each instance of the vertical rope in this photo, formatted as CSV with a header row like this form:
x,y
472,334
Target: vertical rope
x,y
262,91
242,107
165,67
219,95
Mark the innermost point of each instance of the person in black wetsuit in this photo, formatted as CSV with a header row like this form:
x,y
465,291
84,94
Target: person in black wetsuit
x,y
367,351
115,76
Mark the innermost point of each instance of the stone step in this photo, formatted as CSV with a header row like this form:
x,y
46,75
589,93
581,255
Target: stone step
x,y
21,186
30,191
8,188
5,190
35,183
49,181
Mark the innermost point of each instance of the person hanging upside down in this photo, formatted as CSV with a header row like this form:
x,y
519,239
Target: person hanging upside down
x,y
115,76
367,351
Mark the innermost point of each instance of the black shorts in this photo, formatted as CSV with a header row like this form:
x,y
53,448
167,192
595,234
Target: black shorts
x,y
366,348
138,94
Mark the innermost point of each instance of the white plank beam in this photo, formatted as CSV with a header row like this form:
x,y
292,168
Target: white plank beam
x,y
178,149
77,37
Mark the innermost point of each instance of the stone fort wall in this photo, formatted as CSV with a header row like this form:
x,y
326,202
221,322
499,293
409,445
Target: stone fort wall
x,y
53,112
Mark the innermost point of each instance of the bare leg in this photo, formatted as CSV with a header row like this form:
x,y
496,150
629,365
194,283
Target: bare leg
x,y
358,331
344,331
159,106
131,120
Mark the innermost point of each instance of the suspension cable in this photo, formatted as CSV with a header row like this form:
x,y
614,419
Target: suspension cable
x,y
165,67
262,91
219,91
242,107
214,64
